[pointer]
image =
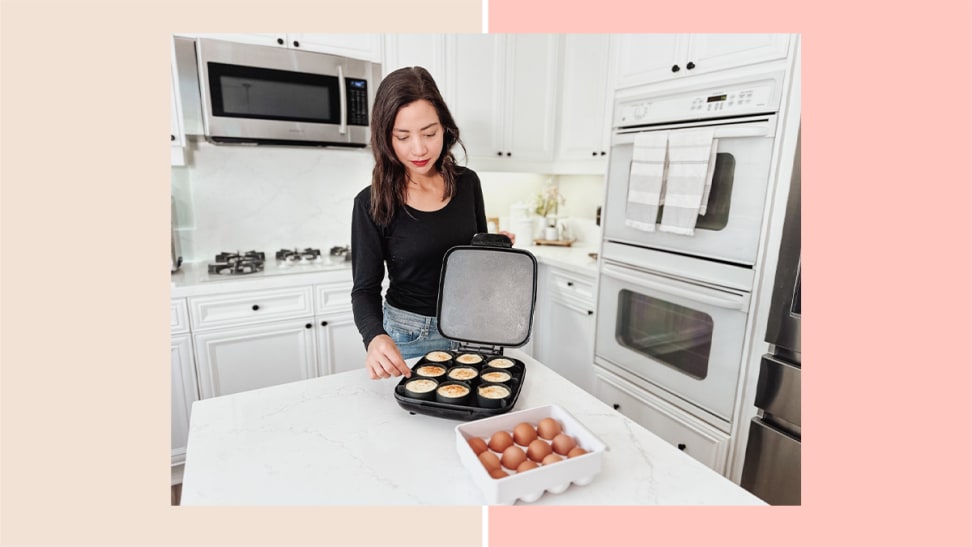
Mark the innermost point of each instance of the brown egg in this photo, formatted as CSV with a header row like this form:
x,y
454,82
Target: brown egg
x,y
538,450
524,434
551,458
489,460
526,466
498,473
500,441
513,456
562,443
548,428
576,451
478,445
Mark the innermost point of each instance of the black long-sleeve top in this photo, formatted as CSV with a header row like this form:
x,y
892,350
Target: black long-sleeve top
x,y
413,246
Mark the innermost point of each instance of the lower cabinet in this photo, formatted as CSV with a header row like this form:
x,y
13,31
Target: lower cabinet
x,y
339,346
686,432
564,324
184,392
244,358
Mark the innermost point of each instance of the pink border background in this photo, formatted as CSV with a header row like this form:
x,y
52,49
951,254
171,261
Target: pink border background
x,y
886,148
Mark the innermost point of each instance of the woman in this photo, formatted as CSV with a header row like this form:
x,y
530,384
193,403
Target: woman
x,y
420,204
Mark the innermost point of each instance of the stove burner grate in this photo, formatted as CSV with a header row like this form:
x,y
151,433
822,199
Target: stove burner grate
x,y
238,263
299,256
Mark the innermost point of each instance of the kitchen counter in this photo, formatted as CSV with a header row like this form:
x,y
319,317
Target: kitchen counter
x,y
193,278
344,440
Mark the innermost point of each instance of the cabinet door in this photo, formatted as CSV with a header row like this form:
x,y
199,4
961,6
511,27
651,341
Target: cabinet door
x,y
358,46
644,58
177,138
711,52
424,50
569,350
339,345
585,124
687,433
530,107
245,358
184,392
479,82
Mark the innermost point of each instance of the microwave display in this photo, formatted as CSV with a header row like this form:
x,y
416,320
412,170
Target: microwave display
x,y
262,93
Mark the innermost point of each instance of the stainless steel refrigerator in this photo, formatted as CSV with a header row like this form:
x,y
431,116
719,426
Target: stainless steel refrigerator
x,y
771,469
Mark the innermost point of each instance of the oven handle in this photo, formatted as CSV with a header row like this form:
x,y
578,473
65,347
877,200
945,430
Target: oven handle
x,y
343,128
759,127
698,293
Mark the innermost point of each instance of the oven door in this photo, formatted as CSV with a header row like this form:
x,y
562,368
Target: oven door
x,y
730,229
683,336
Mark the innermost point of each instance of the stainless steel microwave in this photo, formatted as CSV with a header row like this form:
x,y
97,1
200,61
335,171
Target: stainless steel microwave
x,y
251,94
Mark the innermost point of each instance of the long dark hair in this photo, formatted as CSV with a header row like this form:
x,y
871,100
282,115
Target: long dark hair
x,y
401,88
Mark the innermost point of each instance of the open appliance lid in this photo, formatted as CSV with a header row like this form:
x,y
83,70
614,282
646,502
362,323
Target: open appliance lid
x,y
487,295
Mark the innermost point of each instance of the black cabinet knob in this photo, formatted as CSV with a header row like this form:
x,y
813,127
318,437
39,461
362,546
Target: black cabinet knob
x,y
280,41
681,446
690,65
675,68
590,312
603,153
508,154
296,43
499,153
323,323
594,153
308,325
256,307
616,406
570,283
173,137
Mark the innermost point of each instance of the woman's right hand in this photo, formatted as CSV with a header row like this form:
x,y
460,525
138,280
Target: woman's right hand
x,y
384,360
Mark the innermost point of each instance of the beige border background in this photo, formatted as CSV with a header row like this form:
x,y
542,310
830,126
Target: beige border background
x,y
85,184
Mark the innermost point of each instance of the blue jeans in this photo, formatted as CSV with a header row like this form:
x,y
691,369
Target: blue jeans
x,y
414,334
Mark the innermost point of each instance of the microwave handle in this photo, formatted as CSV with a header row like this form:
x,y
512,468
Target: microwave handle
x,y
342,93
703,295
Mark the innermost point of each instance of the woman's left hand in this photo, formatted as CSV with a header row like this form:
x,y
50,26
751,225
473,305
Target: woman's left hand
x,y
510,235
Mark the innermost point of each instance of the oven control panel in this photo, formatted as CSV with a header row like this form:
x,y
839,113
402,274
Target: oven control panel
x,y
730,100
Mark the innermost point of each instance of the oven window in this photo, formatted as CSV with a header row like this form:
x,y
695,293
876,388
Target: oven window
x,y
720,196
677,336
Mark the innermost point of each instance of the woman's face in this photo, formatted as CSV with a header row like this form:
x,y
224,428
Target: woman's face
x,y
417,138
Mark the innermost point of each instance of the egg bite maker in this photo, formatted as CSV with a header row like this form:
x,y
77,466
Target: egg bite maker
x,y
487,297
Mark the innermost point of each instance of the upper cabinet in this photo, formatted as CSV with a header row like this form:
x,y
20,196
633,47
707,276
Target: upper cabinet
x,y
504,97
586,91
358,46
178,135
424,50
652,58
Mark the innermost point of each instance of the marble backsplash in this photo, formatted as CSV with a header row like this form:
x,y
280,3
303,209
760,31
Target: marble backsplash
x,y
241,198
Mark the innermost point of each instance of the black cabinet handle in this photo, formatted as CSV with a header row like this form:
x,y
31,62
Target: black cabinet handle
x,y
173,137
681,446
675,68
690,65
296,43
280,41
256,307
308,325
616,406
323,323
590,312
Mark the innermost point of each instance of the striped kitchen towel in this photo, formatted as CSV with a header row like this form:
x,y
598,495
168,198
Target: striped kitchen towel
x,y
689,156
646,180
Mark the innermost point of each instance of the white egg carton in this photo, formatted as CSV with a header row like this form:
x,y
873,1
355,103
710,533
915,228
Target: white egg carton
x,y
530,485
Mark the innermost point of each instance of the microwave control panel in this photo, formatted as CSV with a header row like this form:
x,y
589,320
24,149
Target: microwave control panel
x,y
357,94
731,100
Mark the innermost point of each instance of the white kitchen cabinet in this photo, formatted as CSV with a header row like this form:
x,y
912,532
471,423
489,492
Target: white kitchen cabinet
x,y
237,359
585,105
505,96
686,432
339,346
250,307
564,327
184,391
425,50
178,136
652,58
358,46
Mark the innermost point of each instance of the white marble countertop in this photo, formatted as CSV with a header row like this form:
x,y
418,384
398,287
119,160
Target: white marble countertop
x,y
344,440
193,278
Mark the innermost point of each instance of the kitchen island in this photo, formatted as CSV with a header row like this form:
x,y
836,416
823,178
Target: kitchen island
x,y
344,440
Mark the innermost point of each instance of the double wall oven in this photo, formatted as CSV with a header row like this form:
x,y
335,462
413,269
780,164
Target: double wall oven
x,y
673,307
